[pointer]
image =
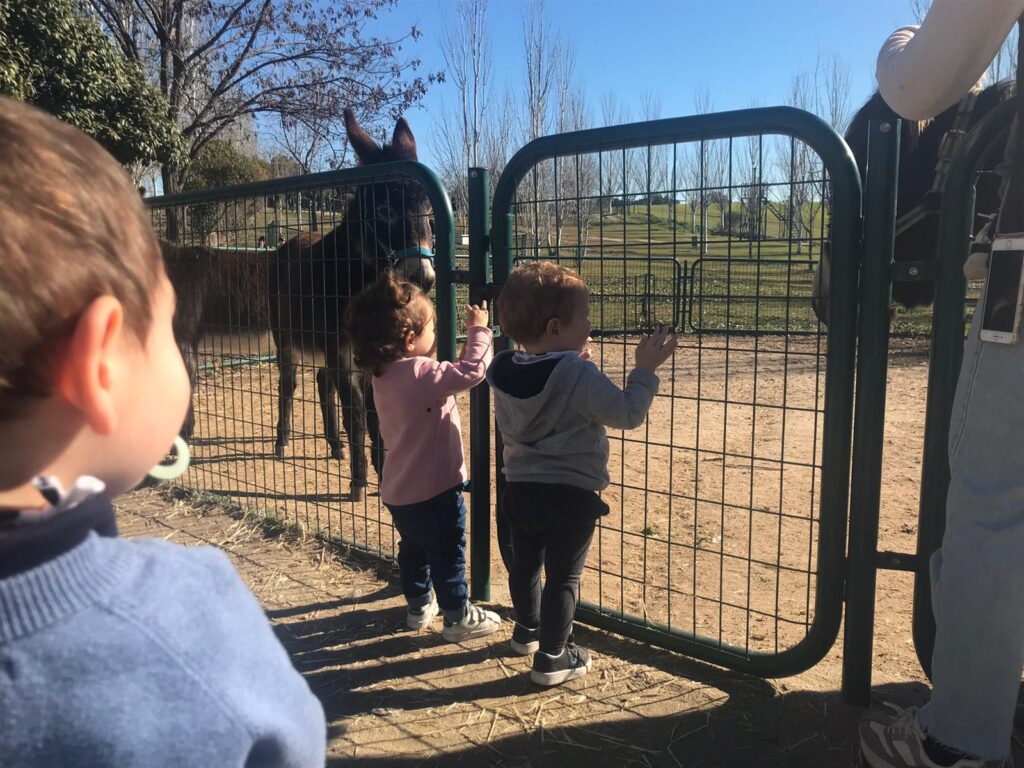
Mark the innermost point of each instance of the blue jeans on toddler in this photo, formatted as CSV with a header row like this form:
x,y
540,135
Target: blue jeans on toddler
x,y
432,551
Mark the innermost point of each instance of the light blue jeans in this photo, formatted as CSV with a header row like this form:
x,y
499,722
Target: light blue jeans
x,y
978,575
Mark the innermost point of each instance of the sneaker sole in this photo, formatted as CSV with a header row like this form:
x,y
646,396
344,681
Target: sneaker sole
x,y
458,638
525,649
557,678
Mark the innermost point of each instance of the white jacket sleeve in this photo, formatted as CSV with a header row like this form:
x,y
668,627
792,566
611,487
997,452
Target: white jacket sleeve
x,y
925,70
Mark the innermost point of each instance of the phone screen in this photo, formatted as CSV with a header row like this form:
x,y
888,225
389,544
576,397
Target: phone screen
x,y
1004,277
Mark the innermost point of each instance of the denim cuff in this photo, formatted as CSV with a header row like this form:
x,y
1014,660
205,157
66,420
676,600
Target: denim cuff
x,y
454,617
419,603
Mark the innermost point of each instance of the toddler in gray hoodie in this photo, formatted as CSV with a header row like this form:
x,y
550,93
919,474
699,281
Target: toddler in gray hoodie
x,y
552,405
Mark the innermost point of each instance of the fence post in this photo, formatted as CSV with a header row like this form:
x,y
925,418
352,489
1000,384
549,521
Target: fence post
x,y
869,414
479,397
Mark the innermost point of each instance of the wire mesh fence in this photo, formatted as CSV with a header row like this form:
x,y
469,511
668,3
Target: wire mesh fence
x,y
716,501
263,274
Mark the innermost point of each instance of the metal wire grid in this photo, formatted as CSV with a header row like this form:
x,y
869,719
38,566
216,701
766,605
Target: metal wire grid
x,y
221,279
714,500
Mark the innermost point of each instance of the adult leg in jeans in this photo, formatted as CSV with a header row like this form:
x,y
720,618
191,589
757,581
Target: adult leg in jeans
x,y
979,572
524,575
413,569
565,554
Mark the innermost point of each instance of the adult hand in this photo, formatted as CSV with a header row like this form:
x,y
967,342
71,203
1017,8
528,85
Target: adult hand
x,y
655,349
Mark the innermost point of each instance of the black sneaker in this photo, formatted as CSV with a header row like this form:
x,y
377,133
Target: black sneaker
x,y
574,662
525,641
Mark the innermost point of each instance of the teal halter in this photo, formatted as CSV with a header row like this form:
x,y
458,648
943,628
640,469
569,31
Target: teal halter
x,y
391,255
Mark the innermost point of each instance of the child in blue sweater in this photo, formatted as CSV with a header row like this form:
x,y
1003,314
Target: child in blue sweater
x,y
112,652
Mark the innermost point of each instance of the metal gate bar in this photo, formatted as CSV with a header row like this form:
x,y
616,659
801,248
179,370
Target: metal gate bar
x,y
845,230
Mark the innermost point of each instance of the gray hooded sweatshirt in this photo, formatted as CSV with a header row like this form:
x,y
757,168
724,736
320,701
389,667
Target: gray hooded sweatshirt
x,y
552,411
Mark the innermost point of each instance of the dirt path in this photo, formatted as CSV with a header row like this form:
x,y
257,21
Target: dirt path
x,y
394,697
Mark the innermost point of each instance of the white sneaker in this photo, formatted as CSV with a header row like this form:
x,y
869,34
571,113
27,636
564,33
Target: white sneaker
x,y
421,619
476,623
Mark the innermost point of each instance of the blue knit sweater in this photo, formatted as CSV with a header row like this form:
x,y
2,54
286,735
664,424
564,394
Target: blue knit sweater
x,y
143,653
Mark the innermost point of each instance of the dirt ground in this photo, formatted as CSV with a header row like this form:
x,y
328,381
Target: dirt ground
x,y
712,527
714,502
399,698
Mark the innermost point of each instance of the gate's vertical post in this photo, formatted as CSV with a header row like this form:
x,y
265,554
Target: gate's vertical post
x,y
480,396
869,413
502,268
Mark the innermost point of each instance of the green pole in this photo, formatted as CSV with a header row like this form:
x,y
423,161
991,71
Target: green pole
x,y
880,187
479,397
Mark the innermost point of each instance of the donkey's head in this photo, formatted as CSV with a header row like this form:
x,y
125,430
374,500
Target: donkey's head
x,y
395,216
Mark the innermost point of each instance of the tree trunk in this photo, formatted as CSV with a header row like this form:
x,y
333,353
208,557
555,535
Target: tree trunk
x,y
174,225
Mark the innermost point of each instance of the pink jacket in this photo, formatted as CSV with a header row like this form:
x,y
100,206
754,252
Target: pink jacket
x,y
419,420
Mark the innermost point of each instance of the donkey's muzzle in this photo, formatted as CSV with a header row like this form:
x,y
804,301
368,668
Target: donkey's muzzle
x,y
419,270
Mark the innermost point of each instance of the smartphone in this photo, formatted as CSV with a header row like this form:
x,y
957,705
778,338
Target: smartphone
x,y
1000,322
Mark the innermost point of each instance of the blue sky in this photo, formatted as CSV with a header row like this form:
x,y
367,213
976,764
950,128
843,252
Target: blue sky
x,y
742,51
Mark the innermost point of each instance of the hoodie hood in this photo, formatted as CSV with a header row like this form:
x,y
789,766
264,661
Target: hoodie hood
x,y
534,417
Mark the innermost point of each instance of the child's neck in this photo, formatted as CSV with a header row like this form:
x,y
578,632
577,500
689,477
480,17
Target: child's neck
x,y
49,442
546,347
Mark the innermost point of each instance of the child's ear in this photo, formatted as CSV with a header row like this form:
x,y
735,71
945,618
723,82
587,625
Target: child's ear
x,y
553,326
88,362
410,341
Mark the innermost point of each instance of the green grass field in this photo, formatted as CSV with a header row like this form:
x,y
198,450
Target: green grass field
x,y
644,265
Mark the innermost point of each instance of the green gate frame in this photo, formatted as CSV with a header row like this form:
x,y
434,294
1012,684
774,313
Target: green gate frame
x,y
444,220
836,452
444,249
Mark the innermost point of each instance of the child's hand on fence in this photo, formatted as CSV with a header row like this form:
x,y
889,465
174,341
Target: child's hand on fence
x,y
655,349
477,315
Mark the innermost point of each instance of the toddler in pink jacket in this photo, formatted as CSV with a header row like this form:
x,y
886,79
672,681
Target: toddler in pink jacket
x,y
392,327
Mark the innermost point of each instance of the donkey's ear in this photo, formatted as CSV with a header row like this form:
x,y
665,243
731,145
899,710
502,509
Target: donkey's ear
x,y
403,144
367,150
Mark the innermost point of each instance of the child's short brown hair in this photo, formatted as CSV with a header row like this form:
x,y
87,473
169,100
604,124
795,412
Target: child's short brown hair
x,y
535,293
72,228
381,316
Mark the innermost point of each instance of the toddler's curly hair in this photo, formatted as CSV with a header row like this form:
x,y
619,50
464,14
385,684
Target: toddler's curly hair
x,y
381,316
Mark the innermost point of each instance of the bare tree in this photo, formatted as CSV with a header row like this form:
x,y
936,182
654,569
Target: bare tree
x,y
466,48
613,164
753,192
800,206
657,160
500,134
216,61
704,169
550,72
314,138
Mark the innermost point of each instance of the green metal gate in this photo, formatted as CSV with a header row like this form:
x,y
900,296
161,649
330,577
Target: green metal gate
x,y
221,279
728,531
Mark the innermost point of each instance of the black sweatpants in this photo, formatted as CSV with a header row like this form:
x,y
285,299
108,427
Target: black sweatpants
x,y
552,527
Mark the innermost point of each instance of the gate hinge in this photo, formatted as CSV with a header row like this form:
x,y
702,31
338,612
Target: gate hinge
x,y
913,271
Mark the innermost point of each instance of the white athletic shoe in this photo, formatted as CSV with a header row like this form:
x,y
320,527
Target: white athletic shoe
x,y
421,619
476,623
